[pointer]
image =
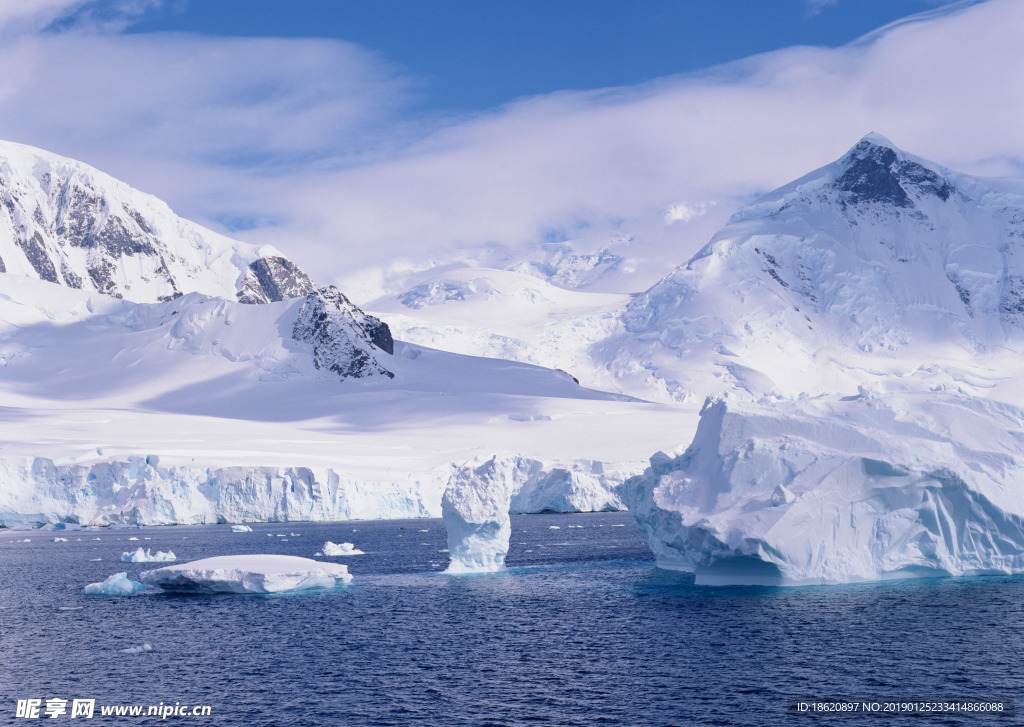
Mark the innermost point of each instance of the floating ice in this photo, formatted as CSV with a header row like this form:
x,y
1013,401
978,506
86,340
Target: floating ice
x,y
241,529
339,549
247,574
475,509
117,585
137,649
824,492
148,556
58,540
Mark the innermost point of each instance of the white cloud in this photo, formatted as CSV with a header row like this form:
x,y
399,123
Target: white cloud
x,y
18,17
309,139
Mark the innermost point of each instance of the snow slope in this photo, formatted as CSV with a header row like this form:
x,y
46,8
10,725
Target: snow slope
x,y
204,410
506,314
67,223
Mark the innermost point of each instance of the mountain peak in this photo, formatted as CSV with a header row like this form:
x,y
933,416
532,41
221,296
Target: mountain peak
x,y
67,223
875,171
874,139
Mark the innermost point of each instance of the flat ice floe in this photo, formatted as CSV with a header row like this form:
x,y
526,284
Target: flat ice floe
x,y
247,574
148,556
330,549
117,585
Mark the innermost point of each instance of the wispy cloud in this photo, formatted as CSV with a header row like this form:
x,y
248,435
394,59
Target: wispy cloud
x,y
316,136
814,7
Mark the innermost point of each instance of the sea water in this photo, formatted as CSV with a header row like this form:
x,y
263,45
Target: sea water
x,y
582,629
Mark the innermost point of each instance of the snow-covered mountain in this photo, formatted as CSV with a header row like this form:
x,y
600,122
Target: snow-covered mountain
x,y
859,332
879,269
64,222
838,370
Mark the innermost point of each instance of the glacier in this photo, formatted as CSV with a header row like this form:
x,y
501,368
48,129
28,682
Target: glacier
x,y
262,574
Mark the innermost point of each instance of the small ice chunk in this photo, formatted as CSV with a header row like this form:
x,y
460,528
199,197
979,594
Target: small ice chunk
x,y
331,549
147,556
133,538
554,527
241,529
247,574
58,540
117,585
95,560
137,649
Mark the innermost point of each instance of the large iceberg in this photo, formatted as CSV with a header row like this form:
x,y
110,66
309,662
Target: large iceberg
x,y
148,556
247,574
475,508
480,495
117,585
819,491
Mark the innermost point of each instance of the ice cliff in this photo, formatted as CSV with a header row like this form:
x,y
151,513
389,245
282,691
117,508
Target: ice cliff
x,y
816,492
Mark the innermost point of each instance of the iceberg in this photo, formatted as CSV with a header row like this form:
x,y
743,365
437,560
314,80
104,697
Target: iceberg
x,y
241,529
330,549
481,494
147,556
247,574
117,585
475,508
824,492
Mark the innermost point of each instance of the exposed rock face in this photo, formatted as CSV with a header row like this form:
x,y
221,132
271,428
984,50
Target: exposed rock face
x,y
346,341
271,279
66,223
875,173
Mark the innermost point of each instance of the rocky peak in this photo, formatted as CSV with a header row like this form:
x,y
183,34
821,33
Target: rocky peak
x,y
875,172
274,278
346,341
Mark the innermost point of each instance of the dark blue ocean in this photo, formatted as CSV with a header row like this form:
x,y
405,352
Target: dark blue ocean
x,y
582,629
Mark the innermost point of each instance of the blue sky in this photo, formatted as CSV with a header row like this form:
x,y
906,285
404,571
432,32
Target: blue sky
x,y
369,140
469,55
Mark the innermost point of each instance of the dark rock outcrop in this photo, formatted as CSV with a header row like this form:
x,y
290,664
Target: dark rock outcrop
x,y
346,341
271,279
